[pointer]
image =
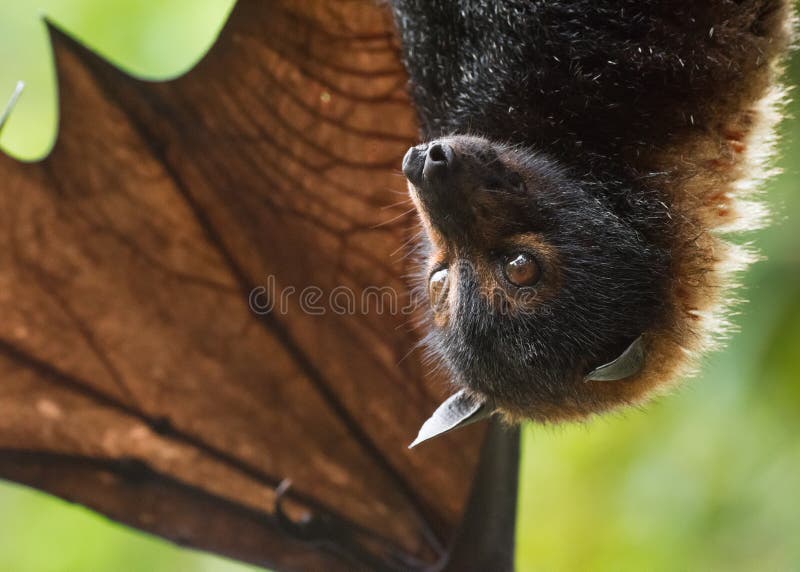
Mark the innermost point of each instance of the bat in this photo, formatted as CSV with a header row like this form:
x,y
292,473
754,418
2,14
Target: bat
x,y
138,382
582,163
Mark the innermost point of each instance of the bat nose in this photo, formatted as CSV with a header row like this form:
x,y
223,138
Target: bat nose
x,y
431,163
438,161
413,163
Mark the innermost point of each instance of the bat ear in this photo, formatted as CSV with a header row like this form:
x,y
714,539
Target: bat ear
x,y
11,103
457,411
629,363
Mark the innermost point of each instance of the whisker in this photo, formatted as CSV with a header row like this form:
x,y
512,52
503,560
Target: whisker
x,y
397,204
403,246
414,348
401,215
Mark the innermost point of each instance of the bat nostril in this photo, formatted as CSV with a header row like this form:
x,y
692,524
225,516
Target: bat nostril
x,y
437,153
438,160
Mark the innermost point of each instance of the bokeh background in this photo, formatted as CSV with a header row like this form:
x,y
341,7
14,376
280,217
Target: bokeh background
x,y
705,479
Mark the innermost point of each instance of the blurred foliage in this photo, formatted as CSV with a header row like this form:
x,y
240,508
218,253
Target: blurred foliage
x,y
39,533
707,478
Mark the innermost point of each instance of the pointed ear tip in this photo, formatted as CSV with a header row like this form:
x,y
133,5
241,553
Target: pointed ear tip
x,y
457,411
419,439
630,362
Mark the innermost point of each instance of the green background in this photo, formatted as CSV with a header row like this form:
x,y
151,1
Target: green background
x,y
705,479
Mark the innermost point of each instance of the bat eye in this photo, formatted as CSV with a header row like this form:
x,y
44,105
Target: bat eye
x,y
437,286
522,270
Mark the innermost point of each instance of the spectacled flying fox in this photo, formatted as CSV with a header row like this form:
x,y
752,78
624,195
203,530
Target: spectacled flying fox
x,y
583,160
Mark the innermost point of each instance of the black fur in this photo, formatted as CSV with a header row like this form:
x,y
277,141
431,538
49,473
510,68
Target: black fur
x,y
586,80
568,95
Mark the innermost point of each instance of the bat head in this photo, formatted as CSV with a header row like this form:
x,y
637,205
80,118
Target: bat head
x,y
532,279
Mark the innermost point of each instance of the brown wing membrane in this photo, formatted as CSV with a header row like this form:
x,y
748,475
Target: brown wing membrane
x,y
136,379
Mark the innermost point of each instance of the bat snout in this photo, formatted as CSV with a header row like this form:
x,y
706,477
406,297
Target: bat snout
x,y
429,166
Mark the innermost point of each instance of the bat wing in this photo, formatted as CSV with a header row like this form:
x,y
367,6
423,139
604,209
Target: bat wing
x,y
137,378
